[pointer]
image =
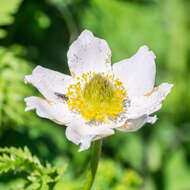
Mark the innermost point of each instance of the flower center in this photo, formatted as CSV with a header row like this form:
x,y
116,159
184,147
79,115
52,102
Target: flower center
x,y
97,97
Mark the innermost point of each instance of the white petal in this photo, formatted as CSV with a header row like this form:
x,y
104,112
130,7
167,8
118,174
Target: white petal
x,y
85,142
136,124
89,53
80,132
58,112
49,82
145,105
138,72
72,135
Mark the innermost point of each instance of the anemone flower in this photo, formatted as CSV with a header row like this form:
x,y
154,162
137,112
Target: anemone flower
x,y
98,98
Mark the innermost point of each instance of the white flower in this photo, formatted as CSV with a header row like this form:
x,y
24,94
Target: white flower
x,y
98,97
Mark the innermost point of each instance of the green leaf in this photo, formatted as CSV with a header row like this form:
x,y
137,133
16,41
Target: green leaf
x,y
19,160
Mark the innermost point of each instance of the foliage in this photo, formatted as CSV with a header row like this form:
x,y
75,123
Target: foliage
x,y
7,8
37,176
12,90
112,176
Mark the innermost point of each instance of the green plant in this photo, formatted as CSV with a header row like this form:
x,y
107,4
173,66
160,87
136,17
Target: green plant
x,y
37,176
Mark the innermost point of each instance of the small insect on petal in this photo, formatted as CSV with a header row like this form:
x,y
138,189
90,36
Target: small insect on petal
x,y
63,96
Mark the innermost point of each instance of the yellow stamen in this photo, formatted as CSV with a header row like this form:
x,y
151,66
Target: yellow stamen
x,y
97,97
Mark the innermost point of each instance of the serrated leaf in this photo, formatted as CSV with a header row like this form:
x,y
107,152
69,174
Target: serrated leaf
x,y
21,160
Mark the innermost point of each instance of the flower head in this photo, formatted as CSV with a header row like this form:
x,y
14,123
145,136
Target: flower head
x,y
98,98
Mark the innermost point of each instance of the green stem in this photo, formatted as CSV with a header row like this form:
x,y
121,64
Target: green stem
x,y
96,152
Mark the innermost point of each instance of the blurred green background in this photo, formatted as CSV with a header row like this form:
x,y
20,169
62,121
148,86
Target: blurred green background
x,y
34,32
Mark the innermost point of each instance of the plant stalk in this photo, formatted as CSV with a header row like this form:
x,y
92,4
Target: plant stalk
x,y
95,156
